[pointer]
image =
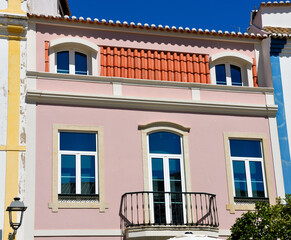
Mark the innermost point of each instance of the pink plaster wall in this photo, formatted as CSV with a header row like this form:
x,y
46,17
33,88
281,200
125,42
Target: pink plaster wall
x,y
156,92
232,97
133,40
74,86
123,159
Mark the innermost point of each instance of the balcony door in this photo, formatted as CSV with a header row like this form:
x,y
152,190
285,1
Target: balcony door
x,y
166,178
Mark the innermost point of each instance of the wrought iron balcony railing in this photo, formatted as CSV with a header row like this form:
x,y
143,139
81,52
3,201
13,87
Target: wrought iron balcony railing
x,y
168,208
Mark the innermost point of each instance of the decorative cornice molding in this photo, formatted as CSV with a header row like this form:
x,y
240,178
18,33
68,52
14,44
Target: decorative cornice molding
x,y
89,100
144,82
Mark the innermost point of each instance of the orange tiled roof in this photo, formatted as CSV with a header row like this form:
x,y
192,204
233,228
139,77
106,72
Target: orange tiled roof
x,y
278,30
154,65
151,27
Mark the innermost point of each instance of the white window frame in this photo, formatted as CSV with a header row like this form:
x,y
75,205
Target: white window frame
x,y
246,161
73,45
72,61
78,155
167,186
236,59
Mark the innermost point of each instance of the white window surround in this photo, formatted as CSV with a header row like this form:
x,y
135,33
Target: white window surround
x,y
166,171
232,58
74,45
266,166
55,204
246,161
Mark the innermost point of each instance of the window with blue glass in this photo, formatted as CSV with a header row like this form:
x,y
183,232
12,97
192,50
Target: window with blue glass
x,y
247,167
166,163
72,62
228,74
78,163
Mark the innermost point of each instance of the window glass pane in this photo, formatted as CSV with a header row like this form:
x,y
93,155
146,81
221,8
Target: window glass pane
x,y
68,174
158,174
175,175
73,141
220,74
257,179
240,181
245,148
235,75
63,62
80,63
87,174
164,142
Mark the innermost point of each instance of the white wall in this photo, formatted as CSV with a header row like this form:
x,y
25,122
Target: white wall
x,y
3,123
45,7
276,16
3,4
285,62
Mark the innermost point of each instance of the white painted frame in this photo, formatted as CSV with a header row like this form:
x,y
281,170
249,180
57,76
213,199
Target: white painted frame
x,y
167,186
72,45
232,58
246,161
78,155
72,60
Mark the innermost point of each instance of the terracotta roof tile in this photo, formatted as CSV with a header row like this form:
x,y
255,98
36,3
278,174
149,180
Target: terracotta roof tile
x,y
152,27
278,31
154,65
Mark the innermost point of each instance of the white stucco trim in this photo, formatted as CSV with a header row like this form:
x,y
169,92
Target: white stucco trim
x,y
224,233
145,82
31,47
231,54
76,233
2,190
72,40
65,98
29,197
117,89
3,90
195,94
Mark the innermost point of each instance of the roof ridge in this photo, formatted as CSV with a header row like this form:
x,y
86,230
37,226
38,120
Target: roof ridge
x,y
146,26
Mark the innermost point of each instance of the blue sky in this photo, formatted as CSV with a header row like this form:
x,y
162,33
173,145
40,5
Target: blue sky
x,y
230,15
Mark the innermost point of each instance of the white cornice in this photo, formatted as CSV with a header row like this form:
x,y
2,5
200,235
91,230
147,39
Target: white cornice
x,y
144,82
89,100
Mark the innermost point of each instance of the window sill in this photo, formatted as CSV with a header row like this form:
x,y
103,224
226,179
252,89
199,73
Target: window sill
x,y
244,204
78,204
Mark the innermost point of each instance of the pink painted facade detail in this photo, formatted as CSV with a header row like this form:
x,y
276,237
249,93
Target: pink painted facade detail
x,y
126,110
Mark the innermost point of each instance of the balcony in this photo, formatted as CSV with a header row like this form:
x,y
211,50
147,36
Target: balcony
x,y
162,215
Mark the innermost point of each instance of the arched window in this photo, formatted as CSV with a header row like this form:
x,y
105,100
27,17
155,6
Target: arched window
x,y
73,56
167,176
166,170
232,69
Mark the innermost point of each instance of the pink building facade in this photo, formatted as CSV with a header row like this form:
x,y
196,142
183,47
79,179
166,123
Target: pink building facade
x,y
144,132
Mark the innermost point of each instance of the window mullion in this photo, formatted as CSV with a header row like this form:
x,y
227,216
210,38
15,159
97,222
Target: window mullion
x,y
72,62
248,176
78,173
228,74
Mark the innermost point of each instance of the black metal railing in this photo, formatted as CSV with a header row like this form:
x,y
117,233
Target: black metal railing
x,y
168,208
